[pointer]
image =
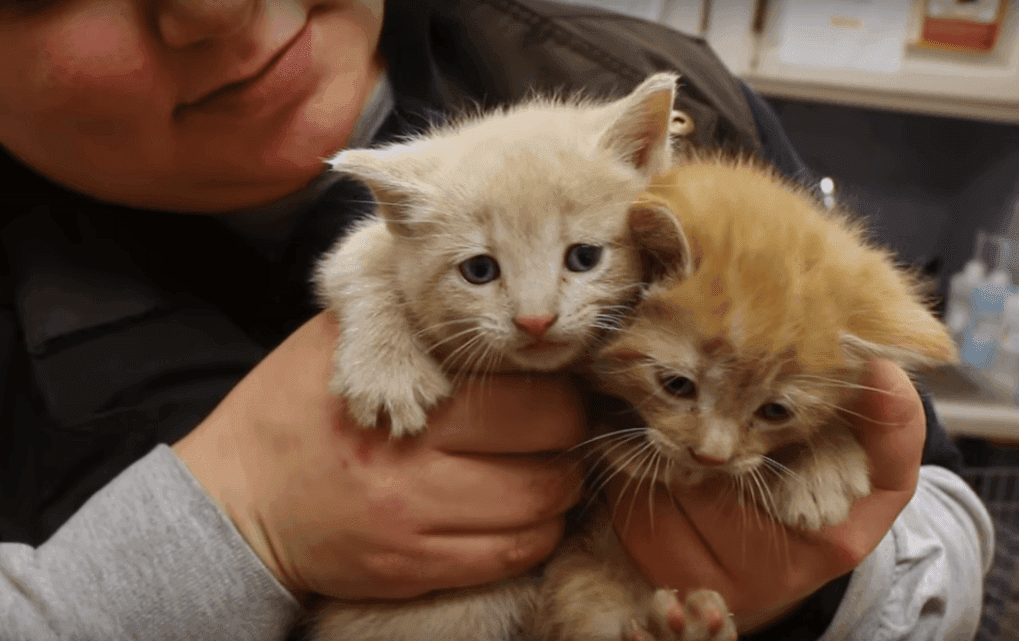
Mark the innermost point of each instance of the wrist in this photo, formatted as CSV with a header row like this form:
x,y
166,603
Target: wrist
x,y
754,622
809,618
213,459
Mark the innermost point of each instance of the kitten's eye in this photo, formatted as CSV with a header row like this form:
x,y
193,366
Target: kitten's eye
x,y
480,269
680,386
582,258
773,412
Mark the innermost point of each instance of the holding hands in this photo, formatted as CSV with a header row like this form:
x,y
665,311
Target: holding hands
x,y
349,513
700,538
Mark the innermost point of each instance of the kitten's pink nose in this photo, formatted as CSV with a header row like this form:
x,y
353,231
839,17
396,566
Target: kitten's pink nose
x,y
536,326
706,459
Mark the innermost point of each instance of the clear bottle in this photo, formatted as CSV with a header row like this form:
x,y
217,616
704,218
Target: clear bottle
x,y
984,332
1005,371
960,291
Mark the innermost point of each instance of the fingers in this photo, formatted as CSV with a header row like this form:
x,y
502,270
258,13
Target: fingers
x,y
460,560
889,423
465,493
509,414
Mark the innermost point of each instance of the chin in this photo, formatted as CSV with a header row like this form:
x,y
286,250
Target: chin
x,y
545,361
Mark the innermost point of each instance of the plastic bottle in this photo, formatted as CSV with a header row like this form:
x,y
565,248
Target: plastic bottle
x,y
1005,371
960,292
984,332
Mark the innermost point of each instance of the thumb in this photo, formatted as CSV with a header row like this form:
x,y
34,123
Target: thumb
x,y
888,420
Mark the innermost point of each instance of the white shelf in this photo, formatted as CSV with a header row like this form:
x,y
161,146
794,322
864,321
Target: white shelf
x,y
984,420
930,81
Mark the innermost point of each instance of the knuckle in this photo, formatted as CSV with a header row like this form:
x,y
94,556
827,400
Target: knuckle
x,y
849,552
392,567
528,548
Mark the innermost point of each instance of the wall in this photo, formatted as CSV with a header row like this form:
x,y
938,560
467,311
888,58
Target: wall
x,y
926,183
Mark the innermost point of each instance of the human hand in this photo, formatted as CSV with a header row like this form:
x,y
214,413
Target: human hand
x,y
353,514
701,539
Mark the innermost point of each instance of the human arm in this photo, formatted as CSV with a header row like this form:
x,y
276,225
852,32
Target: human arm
x,y
316,500
150,556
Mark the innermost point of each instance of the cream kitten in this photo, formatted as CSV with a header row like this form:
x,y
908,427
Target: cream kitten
x,y
507,241
502,242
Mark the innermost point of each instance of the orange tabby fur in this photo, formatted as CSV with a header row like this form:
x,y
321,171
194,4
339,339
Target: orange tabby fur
x,y
772,323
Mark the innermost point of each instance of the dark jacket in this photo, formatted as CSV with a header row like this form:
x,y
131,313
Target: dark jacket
x,y
114,338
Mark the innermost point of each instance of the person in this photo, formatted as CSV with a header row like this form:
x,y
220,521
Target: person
x,y
173,464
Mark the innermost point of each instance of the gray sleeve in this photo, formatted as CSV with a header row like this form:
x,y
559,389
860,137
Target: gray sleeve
x,y
150,556
924,582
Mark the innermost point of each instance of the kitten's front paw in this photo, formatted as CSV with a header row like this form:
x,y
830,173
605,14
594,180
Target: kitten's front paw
x,y
707,618
405,396
823,491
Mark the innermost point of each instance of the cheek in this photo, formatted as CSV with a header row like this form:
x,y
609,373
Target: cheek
x,y
93,61
82,79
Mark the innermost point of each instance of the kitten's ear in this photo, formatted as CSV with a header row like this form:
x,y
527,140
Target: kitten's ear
x,y
639,130
396,179
661,242
923,344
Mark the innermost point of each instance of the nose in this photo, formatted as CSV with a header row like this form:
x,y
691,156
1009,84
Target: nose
x,y
706,459
186,22
537,325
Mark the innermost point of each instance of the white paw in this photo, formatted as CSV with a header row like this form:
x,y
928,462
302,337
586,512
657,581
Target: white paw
x,y
405,393
654,626
707,618
815,500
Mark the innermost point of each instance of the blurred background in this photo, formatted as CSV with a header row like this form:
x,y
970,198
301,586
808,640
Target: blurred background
x,y
911,107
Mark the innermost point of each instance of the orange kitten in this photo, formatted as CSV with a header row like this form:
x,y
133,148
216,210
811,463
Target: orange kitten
x,y
743,363
739,363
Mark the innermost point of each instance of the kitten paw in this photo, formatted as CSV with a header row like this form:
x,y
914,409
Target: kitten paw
x,y
823,493
703,617
405,397
707,618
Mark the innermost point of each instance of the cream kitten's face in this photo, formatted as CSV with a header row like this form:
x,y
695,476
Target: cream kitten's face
x,y
517,240
529,271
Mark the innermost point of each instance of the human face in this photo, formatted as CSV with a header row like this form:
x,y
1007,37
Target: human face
x,y
185,105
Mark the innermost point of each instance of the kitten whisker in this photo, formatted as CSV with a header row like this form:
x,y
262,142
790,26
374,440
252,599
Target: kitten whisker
x,y
834,382
613,434
643,451
473,329
610,469
435,326
781,470
614,470
651,491
459,354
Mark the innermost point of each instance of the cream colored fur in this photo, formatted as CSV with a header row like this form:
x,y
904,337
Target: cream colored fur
x,y
522,186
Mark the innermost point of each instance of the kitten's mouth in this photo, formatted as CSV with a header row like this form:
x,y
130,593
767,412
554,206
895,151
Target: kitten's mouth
x,y
542,345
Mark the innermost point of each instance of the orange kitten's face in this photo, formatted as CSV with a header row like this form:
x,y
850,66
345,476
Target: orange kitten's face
x,y
710,409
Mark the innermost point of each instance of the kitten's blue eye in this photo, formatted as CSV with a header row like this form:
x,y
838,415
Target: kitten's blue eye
x,y
773,412
582,258
680,386
480,269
